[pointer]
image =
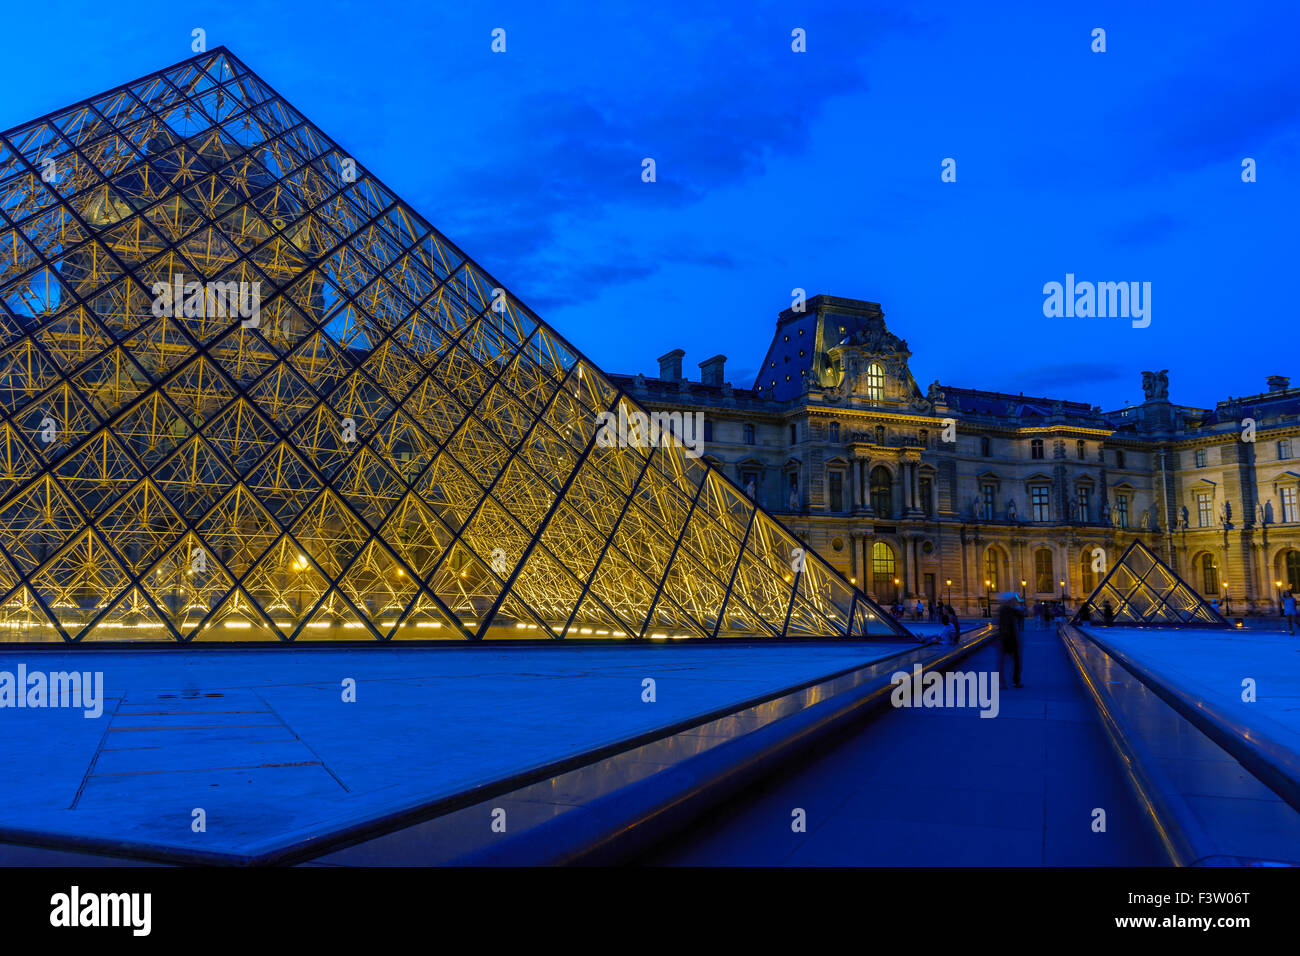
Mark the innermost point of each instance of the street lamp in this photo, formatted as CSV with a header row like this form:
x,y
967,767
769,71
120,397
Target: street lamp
x,y
1279,595
949,583
988,598
1022,591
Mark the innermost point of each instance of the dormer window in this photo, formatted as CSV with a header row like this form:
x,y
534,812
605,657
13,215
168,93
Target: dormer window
x,y
875,382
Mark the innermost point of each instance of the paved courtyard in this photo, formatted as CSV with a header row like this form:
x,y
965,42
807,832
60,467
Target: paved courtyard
x,y
263,742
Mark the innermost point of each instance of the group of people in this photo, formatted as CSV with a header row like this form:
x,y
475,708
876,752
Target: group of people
x,y
934,612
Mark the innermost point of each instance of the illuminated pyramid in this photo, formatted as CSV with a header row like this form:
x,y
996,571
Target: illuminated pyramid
x,y
1142,589
246,393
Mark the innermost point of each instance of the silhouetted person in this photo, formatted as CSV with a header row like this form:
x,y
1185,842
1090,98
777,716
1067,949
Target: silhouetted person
x,y
1107,614
1010,640
956,624
1085,614
1289,612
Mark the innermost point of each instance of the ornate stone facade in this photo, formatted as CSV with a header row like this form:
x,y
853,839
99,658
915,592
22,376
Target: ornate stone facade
x,y
957,493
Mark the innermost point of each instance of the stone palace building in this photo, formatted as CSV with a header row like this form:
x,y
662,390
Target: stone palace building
x,y
958,493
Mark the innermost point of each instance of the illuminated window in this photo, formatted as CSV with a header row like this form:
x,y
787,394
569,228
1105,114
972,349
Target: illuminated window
x,y
1284,448
1204,514
1087,577
1209,574
991,568
875,382
1288,504
1200,458
1044,578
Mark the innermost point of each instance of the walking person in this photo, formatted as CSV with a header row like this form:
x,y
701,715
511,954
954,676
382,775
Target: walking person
x,y
1289,612
1010,638
956,624
1107,614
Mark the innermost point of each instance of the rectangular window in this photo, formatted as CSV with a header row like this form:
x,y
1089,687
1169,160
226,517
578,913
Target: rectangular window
x,y
1119,458
1288,504
1041,503
988,502
836,491
1200,458
1284,448
1082,501
1121,511
927,492
1204,511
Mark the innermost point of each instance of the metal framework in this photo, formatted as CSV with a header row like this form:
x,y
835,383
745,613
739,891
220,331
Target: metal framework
x,y
1142,589
389,446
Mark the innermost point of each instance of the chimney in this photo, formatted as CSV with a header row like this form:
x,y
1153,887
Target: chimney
x,y
670,366
711,370
1278,383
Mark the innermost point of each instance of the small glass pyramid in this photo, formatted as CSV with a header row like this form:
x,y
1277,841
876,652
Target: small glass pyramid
x,y
1142,589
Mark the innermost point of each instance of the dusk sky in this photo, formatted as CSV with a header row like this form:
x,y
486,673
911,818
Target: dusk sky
x,y
819,170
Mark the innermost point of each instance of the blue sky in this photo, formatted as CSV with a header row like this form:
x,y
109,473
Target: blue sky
x,y
818,170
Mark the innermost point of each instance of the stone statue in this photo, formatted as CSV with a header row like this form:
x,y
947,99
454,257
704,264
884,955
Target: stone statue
x,y
1225,513
794,497
1011,509
1261,517
1074,512
1105,512
935,393
1155,385
749,489
977,507
1186,517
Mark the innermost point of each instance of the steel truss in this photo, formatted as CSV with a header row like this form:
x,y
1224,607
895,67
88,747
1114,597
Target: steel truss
x,y
393,447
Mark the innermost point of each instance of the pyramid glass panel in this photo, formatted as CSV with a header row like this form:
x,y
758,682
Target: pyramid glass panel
x,y
248,394
1142,589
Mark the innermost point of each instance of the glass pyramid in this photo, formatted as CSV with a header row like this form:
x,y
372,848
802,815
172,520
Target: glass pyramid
x,y
247,394
1142,589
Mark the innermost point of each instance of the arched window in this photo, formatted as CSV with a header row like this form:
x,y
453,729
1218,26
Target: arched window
x,y
883,569
875,382
1036,448
1209,574
749,434
1291,569
1043,573
1087,577
882,491
991,569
